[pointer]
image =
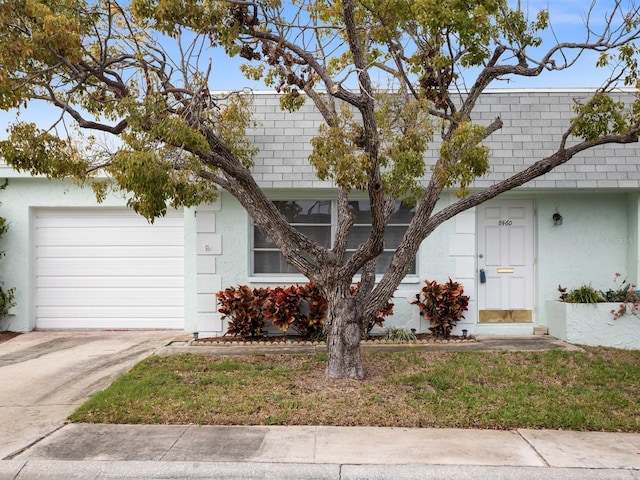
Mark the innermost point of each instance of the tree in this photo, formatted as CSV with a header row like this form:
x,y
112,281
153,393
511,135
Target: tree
x,y
138,71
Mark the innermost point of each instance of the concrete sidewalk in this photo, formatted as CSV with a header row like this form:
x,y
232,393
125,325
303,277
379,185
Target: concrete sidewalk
x,y
314,452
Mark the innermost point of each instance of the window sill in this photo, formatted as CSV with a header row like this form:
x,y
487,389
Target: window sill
x,y
279,278
288,279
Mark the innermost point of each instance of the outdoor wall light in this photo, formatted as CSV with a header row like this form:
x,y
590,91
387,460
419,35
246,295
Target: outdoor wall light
x,y
195,336
464,333
557,219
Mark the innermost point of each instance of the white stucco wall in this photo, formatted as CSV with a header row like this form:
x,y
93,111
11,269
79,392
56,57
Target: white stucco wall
x,y
21,197
633,248
589,247
598,238
593,324
217,253
448,252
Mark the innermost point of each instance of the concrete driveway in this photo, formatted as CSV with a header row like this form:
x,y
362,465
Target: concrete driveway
x,y
45,376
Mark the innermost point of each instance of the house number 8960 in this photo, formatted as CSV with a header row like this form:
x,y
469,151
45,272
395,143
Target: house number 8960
x,y
504,223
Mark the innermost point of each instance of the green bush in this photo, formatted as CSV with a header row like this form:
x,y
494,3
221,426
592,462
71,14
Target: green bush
x,y
583,294
624,292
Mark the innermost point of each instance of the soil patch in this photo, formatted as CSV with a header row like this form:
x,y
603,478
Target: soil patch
x,y
5,336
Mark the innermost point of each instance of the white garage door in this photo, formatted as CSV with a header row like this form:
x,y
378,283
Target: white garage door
x,y
107,268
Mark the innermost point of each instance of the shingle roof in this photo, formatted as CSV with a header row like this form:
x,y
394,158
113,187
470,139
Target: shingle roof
x,y
533,123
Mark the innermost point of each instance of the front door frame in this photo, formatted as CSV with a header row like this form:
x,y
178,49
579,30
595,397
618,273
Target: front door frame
x,y
524,315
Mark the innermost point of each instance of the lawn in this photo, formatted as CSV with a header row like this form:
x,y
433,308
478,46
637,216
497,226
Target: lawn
x,y
598,389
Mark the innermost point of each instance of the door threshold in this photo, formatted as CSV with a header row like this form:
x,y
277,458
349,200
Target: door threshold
x,y
505,328
505,316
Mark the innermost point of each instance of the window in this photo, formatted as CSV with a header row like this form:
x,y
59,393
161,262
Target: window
x,y
311,217
396,227
317,220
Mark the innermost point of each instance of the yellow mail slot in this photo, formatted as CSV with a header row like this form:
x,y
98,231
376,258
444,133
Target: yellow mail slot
x,y
505,269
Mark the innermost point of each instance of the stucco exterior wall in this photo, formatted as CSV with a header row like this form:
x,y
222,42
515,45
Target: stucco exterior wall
x,y
598,238
592,324
444,254
590,246
633,247
19,200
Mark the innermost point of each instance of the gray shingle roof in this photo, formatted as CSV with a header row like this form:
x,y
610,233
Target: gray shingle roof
x,y
533,124
534,121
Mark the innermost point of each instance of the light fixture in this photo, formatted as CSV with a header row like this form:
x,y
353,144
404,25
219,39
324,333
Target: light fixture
x,y
557,219
464,333
195,336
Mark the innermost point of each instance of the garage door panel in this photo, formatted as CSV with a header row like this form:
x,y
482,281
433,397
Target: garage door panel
x,y
124,221
108,323
148,236
110,296
111,282
108,268
110,251
85,312
88,267
101,217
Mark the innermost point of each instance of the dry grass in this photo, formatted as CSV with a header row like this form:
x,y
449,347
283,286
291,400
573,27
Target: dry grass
x,y
596,390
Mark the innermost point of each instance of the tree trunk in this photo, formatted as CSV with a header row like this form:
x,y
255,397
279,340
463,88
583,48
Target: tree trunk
x,y
344,332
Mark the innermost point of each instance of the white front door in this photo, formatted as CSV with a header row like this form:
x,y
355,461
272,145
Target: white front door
x,y
505,261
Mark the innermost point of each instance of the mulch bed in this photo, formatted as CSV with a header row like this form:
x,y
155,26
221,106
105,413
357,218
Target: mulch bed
x,y
4,336
293,339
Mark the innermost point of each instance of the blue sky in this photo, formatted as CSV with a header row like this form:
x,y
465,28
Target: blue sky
x,y
567,19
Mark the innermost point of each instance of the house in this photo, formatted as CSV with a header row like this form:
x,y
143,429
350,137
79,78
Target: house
x,y
77,264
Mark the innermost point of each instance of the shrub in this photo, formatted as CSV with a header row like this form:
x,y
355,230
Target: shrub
x,y
6,301
310,325
282,306
300,307
243,307
400,335
380,317
443,304
583,294
624,292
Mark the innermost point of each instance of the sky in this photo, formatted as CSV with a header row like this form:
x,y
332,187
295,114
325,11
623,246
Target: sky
x,y
567,18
